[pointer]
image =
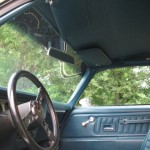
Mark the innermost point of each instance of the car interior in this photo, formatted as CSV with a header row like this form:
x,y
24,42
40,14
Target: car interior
x,y
75,75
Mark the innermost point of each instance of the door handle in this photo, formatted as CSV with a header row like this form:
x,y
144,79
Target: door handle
x,y
91,119
127,121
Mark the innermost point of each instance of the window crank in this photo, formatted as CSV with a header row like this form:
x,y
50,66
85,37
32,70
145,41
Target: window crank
x,y
91,119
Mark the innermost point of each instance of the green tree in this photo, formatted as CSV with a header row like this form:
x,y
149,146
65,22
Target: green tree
x,y
120,87
19,51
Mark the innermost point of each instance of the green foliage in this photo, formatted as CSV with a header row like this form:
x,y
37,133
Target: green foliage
x,y
122,86
20,52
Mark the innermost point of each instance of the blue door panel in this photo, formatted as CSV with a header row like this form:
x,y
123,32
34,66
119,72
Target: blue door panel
x,y
112,129
100,144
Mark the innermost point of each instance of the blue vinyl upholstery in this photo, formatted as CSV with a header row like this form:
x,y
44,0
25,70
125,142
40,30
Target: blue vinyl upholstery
x,y
146,143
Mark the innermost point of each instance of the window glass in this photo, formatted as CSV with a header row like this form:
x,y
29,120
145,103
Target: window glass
x,y
123,86
24,42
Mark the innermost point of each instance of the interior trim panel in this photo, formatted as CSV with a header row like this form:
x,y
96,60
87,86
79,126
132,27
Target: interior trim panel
x,y
119,128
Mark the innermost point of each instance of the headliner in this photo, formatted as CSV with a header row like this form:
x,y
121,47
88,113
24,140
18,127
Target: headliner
x,y
118,30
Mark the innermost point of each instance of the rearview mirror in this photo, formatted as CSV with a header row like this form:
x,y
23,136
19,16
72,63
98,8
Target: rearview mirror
x,y
58,54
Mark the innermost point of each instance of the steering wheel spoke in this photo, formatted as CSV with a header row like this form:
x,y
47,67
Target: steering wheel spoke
x,y
50,135
40,95
28,119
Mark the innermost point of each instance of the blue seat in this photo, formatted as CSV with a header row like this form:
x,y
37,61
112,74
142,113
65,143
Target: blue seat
x,y
146,143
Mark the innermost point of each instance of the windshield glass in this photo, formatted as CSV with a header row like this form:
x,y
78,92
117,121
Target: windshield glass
x,y
24,42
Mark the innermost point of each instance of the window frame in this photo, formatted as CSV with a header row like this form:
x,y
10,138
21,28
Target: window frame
x,y
11,5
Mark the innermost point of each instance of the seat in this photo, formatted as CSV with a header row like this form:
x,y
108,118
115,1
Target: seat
x,y
146,143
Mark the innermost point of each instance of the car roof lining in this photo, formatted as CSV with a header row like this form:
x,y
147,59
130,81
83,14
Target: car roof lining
x,y
119,28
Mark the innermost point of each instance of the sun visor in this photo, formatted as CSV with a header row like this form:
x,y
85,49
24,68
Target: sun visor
x,y
94,57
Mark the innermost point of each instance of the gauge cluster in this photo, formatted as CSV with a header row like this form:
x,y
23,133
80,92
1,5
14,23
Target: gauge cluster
x,y
3,106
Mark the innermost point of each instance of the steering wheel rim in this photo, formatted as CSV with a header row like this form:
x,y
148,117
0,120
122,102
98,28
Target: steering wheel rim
x,y
14,111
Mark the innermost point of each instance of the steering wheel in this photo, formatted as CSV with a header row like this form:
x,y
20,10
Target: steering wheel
x,y
29,113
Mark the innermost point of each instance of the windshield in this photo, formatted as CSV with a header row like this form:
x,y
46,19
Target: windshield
x,y
24,42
